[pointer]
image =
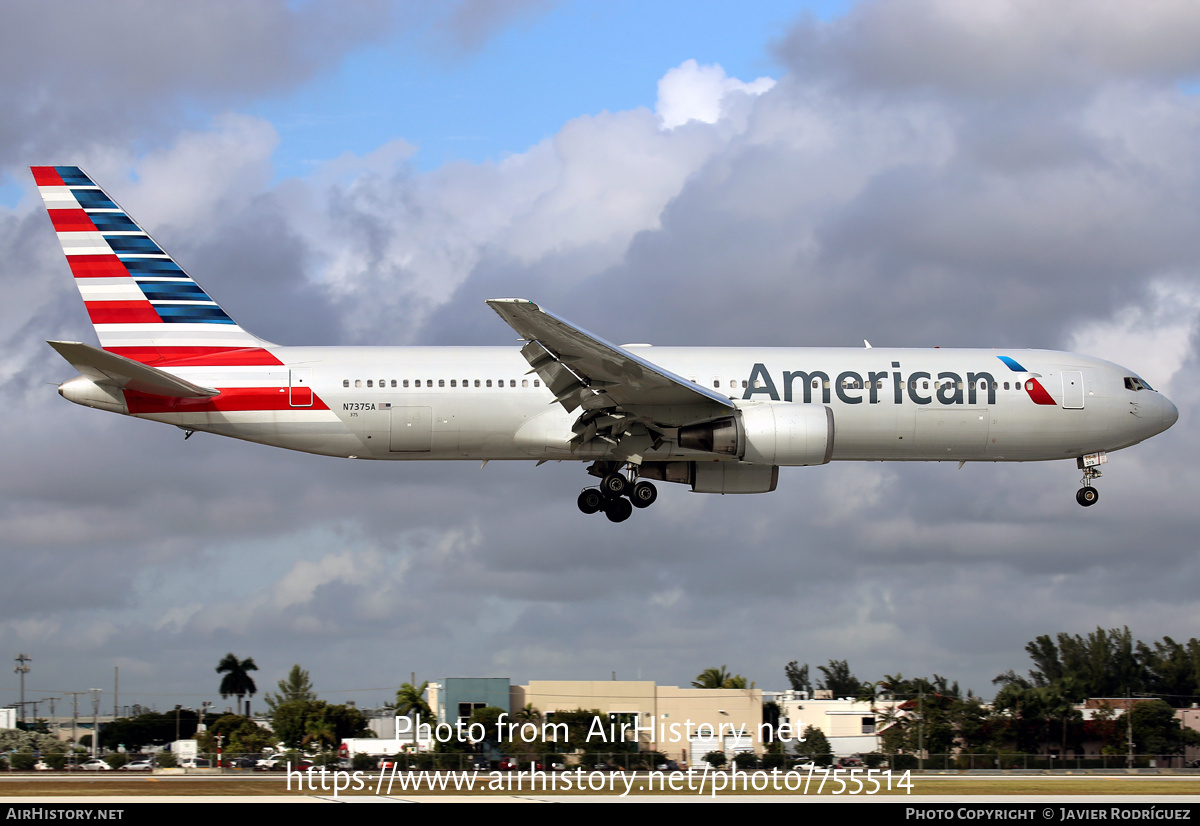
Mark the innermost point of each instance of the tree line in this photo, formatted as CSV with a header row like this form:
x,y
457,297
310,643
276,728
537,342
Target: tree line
x,y
1032,711
1104,663
932,715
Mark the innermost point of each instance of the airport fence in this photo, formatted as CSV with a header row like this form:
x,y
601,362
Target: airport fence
x,y
1040,762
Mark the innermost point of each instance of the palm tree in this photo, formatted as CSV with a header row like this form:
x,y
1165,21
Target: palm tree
x,y
719,678
711,678
319,732
411,699
237,681
529,714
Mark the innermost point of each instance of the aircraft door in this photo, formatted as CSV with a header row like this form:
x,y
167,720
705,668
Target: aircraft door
x,y
411,430
300,392
1072,383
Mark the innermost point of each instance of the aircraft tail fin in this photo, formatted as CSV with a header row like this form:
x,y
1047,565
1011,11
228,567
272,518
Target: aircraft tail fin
x,y
141,302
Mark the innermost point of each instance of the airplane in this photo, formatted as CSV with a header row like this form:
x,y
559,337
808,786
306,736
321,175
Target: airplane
x,y
720,420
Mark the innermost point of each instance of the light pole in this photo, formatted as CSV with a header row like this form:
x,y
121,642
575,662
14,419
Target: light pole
x,y
95,719
74,695
1129,729
22,669
921,728
53,722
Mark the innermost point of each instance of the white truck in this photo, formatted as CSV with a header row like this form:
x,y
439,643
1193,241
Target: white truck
x,y
374,746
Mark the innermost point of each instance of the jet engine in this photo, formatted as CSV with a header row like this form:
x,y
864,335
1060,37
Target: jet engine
x,y
767,433
763,436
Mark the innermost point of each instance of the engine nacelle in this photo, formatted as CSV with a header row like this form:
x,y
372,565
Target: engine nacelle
x,y
734,477
787,433
767,433
714,477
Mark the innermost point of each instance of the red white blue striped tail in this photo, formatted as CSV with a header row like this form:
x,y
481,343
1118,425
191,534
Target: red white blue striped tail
x,y
141,302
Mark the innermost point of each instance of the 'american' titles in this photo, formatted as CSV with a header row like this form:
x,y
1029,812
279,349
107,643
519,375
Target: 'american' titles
x,y
852,387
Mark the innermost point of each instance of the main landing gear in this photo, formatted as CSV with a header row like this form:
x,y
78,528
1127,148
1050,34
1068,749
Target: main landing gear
x,y
1090,465
617,496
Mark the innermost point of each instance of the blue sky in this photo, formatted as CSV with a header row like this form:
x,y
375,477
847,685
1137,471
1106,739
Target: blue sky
x,y
522,85
502,94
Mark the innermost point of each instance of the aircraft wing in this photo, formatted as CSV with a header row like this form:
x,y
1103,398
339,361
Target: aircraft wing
x,y
584,370
102,366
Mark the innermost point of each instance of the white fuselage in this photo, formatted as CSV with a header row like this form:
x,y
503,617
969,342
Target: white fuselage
x,y
483,403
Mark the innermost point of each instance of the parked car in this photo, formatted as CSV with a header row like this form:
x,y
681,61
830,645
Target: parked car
x,y
145,765
196,763
95,764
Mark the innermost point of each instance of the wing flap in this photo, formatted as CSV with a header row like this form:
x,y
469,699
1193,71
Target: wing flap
x,y
102,366
577,366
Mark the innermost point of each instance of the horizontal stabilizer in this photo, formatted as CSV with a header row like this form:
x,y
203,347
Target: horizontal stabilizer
x,y
103,366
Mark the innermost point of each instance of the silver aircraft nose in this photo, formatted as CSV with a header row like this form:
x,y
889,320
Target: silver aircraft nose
x,y
1170,413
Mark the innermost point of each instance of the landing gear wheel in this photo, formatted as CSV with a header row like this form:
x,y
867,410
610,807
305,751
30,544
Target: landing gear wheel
x,y
618,510
590,501
643,495
614,485
1088,495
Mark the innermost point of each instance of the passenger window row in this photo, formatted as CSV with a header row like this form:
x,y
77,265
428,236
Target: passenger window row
x,y
384,383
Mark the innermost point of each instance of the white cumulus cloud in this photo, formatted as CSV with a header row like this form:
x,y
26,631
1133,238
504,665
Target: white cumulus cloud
x,y
694,92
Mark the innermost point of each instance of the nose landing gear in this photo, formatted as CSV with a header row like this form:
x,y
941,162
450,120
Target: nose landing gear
x,y
1090,465
617,495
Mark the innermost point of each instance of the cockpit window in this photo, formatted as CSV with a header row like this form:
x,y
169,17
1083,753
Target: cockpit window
x,y
1134,383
